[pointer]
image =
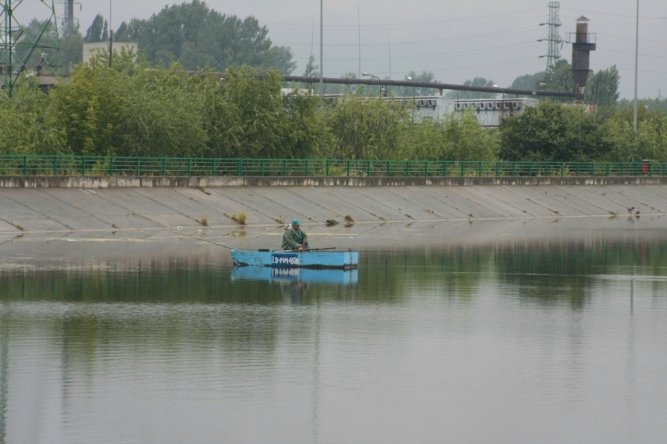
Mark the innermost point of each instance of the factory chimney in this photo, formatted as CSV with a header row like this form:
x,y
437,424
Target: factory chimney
x,y
583,44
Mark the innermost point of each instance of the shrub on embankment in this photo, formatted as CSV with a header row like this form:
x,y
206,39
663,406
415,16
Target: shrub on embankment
x,y
131,109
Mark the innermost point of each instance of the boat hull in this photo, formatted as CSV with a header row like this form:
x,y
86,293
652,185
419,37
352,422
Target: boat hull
x,y
345,260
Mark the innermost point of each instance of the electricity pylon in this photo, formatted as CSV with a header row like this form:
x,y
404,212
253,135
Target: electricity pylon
x,y
34,46
555,42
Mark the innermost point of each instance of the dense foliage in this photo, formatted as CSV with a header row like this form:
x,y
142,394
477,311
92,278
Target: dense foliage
x,y
198,37
552,132
133,109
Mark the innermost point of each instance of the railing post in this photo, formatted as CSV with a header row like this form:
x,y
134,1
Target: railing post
x,y
326,168
368,168
54,165
347,167
305,168
164,166
25,165
83,165
497,168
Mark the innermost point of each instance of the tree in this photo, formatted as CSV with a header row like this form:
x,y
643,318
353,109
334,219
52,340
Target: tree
x,y
279,58
552,132
129,110
477,81
71,45
468,140
410,91
343,88
246,116
457,138
312,69
95,32
38,46
423,140
307,131
367,128
650,141
28,123
602,88
199,37
657,104
561,78
535,81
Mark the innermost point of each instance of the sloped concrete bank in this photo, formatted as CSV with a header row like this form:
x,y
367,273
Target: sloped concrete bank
x,y
373,212
83,206
317,181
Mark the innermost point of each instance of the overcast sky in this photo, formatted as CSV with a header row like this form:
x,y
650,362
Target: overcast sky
x,y
456,40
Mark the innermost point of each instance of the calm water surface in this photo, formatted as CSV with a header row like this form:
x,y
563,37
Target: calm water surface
x,y
519,343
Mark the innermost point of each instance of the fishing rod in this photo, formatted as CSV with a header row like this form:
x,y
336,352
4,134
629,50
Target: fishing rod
x,y
232,248
299,251
207,241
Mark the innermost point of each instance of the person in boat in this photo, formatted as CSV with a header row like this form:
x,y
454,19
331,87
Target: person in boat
x,y
294,238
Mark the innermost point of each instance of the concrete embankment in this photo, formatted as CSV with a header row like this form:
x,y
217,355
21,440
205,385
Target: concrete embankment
x,y
350,211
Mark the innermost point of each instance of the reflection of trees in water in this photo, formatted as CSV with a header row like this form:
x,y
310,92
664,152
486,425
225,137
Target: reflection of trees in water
x,y
544,271
564,271
187,310
397,274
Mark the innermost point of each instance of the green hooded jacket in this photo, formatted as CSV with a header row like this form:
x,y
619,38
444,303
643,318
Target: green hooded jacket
x,y
292,239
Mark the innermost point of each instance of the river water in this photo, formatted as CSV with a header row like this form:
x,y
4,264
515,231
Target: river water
x,y
522,342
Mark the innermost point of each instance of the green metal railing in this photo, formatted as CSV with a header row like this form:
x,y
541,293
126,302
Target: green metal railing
x,y
62,165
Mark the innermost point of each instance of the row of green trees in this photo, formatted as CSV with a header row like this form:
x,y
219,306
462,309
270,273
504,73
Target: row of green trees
x,y
132,109
189,33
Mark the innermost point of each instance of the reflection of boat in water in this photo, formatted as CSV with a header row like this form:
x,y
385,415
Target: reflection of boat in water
x,y
318,259
307,275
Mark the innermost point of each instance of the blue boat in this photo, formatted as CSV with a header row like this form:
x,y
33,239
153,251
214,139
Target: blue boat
x,y
307,275
346,260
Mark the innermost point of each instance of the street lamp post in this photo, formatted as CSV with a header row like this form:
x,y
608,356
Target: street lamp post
x,y
383,90
502,102
414,102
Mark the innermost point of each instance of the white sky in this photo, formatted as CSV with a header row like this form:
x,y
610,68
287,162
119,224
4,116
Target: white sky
x,y
456,40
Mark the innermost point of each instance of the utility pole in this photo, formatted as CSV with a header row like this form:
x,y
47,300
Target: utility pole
x,y
634,102
110,35
321,47
69,15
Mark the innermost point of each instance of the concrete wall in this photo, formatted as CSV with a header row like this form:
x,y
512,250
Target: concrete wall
x,y
228,181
